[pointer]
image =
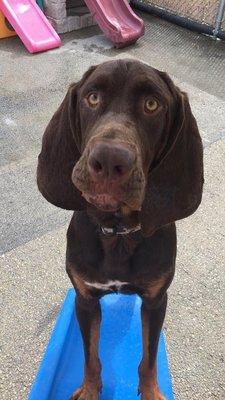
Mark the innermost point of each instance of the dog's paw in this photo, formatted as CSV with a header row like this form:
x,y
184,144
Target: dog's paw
x,y
86,392
157,396
151,394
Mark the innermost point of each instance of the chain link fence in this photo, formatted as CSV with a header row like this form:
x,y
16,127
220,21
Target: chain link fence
x,y
207,16
223,22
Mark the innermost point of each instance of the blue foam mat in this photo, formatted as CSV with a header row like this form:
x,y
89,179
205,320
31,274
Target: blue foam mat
x,y
61,370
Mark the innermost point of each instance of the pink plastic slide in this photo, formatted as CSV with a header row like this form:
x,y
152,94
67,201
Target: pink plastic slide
x,y
30,24
117,20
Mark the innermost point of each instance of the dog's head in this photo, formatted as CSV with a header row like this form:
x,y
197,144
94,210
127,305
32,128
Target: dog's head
x,y
124,138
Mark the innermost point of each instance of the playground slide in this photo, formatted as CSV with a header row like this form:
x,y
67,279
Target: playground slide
x,y
30,24
117,20
61,370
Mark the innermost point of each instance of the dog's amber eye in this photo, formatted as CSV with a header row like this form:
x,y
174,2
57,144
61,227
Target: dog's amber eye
x,y
93,99
151,105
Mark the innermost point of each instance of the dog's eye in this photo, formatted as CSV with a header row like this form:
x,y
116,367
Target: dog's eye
x,y
151,105
93,99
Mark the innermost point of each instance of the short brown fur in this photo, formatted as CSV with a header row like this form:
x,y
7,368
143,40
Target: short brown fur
x,y
164,185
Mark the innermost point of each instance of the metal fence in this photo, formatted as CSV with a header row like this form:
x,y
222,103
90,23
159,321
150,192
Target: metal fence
x,y
207,16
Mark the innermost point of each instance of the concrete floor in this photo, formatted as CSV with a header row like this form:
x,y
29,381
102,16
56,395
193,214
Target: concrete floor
x,y
33,279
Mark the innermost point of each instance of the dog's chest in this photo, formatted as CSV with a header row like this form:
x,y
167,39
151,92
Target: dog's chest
x,y
110,285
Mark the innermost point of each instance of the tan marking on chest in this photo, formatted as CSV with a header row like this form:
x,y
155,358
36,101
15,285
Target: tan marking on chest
x,y
107,285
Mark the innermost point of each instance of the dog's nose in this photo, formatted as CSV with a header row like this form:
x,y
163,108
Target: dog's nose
x,y
111,161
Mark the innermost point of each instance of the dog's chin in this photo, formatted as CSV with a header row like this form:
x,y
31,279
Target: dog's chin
x,y
103,202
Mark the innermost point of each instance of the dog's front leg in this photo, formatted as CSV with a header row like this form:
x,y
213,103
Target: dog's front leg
x,y
152,316
88,312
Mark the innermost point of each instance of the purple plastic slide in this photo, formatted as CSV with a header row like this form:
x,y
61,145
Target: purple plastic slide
x,y
30,24
117,20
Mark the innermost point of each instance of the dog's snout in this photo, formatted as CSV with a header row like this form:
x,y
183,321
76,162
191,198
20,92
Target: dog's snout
x,y
108,160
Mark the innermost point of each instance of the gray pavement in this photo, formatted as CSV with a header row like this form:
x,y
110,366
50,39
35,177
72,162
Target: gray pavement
x,y
33,280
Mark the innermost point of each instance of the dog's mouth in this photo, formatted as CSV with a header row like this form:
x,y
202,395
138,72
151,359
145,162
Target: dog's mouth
x,y
110,196
103,201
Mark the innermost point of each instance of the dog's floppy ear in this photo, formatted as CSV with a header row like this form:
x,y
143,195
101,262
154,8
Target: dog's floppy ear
x,y
60,152
174,185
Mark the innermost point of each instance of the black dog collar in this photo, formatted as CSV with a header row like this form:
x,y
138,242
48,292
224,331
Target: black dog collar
x,y
119,230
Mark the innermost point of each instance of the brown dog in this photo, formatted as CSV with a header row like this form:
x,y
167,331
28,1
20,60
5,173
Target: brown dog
x,y
123,150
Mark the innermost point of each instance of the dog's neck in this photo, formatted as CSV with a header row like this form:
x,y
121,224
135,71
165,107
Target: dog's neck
x,y
119,230
116,223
